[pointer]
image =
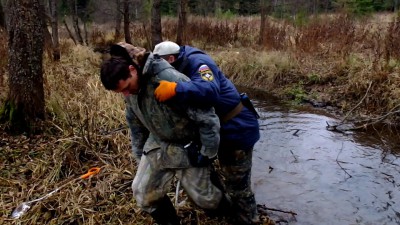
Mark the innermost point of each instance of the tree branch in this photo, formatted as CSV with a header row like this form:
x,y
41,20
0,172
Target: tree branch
x,y
367,122
358,104
276,210
339,163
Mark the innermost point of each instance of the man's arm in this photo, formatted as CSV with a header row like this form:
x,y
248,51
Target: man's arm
x,y
209,126
203,88
139,133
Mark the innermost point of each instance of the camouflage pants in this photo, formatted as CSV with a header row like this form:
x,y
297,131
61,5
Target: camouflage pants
x,y
157,168
236,169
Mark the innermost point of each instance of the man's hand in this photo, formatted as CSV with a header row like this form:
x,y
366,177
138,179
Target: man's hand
x,y
195,157
203,161
165,90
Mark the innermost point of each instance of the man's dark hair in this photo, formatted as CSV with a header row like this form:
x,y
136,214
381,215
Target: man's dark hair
x,y
113,70
117,67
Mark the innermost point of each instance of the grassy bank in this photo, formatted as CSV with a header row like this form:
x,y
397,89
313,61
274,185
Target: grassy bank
x,y
339,61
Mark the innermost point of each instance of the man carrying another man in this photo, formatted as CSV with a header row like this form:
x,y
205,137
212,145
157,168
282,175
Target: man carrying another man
x,y
239,125
163,134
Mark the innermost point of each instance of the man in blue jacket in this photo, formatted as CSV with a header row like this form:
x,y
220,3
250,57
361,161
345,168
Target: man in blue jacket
x,y
239,125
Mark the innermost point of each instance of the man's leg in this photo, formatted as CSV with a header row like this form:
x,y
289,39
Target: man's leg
x,y
236,168
165,213
197,184
150,187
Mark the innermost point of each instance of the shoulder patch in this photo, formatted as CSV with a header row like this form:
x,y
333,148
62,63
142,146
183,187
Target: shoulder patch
x,y
206,73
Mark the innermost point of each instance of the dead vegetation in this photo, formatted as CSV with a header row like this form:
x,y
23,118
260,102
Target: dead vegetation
x,y
337,60
85,128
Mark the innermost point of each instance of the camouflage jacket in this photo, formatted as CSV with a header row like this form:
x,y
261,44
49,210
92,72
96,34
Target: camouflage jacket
x,y
168,122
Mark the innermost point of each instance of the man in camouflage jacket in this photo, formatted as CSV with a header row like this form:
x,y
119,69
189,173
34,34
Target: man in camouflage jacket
x,y
160,133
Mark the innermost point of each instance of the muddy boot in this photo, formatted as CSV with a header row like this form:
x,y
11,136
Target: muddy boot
x,y
165,214
216,179
245,211
224,208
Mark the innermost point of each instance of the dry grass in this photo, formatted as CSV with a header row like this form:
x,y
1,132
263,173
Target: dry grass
x,y
77,137
333,59
258,69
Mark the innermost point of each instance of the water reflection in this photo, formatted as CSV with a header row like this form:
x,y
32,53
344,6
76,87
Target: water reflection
x,y
325,177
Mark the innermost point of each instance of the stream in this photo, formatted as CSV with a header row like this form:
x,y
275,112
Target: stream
x,y
324,177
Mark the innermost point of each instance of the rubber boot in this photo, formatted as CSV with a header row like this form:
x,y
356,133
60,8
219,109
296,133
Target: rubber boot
x,y
165,214
216,179
224,208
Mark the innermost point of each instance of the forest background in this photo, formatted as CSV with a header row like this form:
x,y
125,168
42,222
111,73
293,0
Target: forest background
x,y
342,54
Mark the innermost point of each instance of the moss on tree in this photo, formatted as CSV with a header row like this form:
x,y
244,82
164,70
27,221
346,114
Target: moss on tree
x,y
14,118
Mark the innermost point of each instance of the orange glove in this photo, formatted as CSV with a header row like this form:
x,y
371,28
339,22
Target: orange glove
x,y
165,90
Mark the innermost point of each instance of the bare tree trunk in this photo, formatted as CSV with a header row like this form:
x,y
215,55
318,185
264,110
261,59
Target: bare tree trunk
x,y
156,23
75,22
276,8
182,22
48,41
2,32
217,7
263,13
69,31
127,32
54,29
25,103
266,7
137,8
2,20
118,20
85,31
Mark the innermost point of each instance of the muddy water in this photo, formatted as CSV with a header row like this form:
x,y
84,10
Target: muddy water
x,y
324,177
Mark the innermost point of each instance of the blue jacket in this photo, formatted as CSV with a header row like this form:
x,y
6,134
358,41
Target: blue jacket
x,y
210,87
169,123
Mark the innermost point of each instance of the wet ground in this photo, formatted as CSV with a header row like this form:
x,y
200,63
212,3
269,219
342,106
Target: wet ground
x,y
324,177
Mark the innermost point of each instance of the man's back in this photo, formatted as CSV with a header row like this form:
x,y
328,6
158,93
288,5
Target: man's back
x,y
190,60
173,121
243,129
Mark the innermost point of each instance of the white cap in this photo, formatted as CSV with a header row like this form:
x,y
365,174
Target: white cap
x,y
166,48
